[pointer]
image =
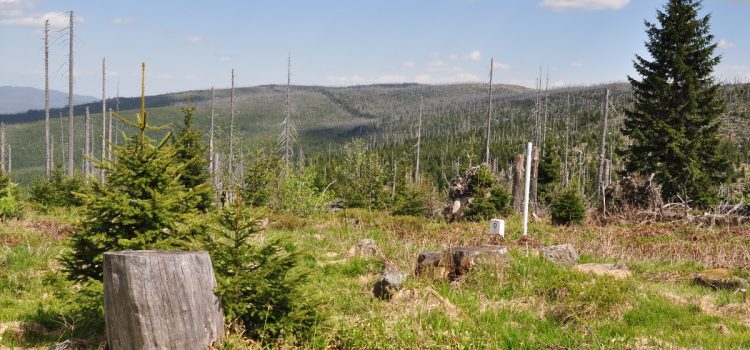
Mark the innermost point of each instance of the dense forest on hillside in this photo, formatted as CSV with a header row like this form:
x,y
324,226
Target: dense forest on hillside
x,y
385,117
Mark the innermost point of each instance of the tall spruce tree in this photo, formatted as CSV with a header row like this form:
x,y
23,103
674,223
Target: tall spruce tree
x,y
141,205
674,122
192,151
549,171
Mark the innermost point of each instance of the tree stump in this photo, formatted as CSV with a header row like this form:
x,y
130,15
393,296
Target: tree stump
x,y
161,300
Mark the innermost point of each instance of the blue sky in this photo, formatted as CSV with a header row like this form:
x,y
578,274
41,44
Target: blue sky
x,y
194,44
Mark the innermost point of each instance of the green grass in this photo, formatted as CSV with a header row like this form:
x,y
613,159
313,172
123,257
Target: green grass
x,y
519,302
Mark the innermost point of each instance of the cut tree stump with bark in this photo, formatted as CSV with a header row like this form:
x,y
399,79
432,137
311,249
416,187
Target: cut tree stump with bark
x,y
161,300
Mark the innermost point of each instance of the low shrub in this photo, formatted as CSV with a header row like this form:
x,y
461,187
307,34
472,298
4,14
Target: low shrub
x,y
567,207
57,191
258,283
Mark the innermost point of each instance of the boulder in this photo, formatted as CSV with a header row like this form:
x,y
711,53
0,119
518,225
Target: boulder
x,y
563,254
390,282
720,278
366,248
619,270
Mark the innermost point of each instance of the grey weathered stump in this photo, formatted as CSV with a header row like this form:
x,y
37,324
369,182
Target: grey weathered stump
x,y
161,300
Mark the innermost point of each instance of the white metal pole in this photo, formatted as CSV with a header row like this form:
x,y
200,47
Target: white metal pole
x,y
526,192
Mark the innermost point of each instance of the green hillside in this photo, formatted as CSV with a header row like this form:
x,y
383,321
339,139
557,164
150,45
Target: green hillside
x,y
384,115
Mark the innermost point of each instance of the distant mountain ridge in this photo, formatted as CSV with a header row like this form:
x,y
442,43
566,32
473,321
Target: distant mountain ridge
x,y
18,99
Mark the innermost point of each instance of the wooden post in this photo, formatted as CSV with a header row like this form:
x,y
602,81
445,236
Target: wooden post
x,y
161,300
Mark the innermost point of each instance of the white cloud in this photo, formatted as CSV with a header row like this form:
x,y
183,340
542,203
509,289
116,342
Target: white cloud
x,y
408,64
584,5
225,58
194,39
56,20
437,64
500,66
474,56
191,77
725,44
576,65
164,77
121,21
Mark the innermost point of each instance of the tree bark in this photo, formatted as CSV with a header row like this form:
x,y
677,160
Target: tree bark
x,y
161,300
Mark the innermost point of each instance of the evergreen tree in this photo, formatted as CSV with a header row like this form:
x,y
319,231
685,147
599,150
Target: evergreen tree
x,y
674,122
58,190
192,151
141,205
256,281
361,177
549,171
261,178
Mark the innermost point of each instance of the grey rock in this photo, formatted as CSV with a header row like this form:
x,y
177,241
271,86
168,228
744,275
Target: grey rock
x,y
720,278
365,248
389,283
563,254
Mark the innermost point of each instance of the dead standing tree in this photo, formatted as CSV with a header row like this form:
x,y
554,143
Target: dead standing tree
x,y
419,140
47,144
602,178
71,119
104,115
230,161
288,129
489,115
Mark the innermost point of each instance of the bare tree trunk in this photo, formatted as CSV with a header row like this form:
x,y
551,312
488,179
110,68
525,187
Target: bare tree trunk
x,y
87,145
47,145
566,169
10,158
546,112
109,135
62,143
489,115
287,125
602,156
419,141
71,119
2,147
518,182
393,188
104,115
231,130
52,150
211,168
534,175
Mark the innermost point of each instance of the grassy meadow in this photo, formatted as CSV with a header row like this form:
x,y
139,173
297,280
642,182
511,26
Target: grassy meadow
x,y
518,302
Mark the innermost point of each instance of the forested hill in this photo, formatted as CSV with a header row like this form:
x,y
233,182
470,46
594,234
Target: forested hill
x,y
385,116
